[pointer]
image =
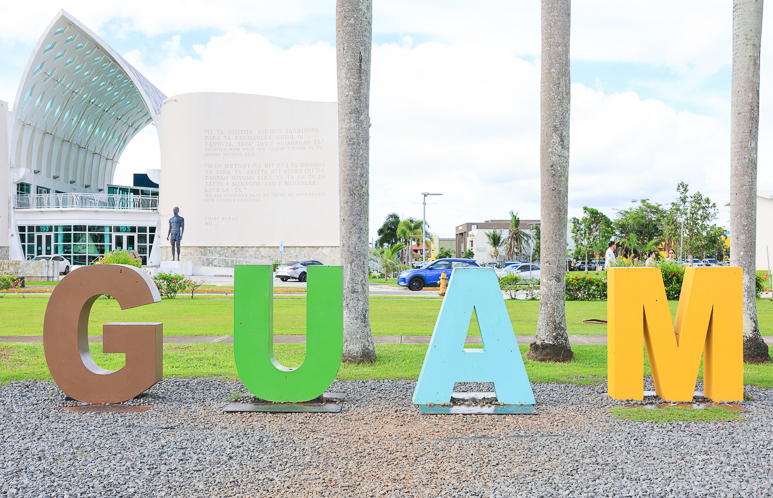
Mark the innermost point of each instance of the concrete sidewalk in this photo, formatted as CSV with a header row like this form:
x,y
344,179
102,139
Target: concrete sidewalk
x,y
574,340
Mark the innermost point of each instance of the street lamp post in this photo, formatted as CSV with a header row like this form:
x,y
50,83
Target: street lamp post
x,y
424,227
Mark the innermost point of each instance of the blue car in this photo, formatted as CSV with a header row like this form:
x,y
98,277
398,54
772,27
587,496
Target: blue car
x,y
429,274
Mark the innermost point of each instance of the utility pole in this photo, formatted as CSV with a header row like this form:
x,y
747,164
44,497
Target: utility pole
x,y
424,227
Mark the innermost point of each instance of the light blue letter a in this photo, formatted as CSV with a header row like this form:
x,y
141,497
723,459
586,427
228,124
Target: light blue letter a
x,y
447,361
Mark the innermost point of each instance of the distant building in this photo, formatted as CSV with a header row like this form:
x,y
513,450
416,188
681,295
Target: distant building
x,y
473,236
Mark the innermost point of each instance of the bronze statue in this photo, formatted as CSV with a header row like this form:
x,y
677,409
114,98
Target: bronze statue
x,y
176,229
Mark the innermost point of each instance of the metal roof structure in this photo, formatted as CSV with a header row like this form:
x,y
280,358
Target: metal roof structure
x,y
78,105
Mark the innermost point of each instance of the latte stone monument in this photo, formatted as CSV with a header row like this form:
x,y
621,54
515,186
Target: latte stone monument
x,y
254,172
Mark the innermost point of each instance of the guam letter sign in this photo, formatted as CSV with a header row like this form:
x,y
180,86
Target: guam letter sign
x,y
708,322
261,373
447,361
65,335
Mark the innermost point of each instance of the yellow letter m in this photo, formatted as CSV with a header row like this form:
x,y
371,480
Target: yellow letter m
x,y
708,321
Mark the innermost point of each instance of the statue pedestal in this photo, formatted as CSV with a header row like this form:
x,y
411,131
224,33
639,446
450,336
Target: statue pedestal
x,y
177,267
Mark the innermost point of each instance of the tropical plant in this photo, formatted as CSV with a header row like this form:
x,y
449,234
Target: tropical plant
x,y
118,257
469,254
509,284
445,253
388,258
495,240
516,238
354,35
744,129
552,341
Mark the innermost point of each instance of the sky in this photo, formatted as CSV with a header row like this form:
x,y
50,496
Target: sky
x,y
455,91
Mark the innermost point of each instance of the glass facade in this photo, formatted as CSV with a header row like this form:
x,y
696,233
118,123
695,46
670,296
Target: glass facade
x,y
82,244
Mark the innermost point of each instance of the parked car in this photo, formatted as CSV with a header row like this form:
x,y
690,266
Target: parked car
x,y
429,274
295,269
64,263
697,262
417,264
491,265
524,270
580,266
508,268
711,262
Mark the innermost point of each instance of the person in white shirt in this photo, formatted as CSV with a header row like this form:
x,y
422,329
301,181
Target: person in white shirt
x,y
609,257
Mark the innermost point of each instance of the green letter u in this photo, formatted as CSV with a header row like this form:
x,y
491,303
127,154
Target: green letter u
x,y
259,370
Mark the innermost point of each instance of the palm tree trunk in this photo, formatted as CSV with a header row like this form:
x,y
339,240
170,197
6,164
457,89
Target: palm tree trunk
x,y
552,341
353,47
745,117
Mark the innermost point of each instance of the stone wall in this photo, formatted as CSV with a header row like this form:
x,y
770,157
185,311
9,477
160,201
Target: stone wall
x,y
4,253
227,257
31,270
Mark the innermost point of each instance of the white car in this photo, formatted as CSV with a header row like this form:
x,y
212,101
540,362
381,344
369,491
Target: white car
x,y
64,263
295,269
523,270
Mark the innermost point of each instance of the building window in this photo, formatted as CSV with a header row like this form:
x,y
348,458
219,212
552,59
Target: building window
x,y
83,244
23,188
42,190
471,243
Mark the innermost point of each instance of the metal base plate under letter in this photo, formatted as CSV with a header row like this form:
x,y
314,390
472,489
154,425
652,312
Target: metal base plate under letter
x,y
111,408
476,409
327,403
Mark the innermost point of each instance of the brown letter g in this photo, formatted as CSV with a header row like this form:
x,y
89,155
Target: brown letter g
x,y
65,335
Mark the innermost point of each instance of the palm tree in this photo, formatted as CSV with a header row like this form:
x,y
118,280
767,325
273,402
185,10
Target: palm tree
x,y
387,234
516,238
552,341
387,257
744,125
354,33
408,231
495,240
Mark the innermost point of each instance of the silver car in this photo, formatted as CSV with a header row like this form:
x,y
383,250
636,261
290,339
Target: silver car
x,y
295,269
524,270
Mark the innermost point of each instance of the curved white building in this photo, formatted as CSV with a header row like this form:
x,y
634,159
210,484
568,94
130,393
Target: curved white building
x,y
78,105
251,173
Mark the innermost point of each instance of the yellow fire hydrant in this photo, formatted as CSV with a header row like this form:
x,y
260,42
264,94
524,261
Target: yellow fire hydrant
x,y
443,284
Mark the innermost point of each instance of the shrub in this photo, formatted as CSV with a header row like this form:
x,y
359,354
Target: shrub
x,y
119,257
6,283
673,275
585,288
509,284
170,284
761,282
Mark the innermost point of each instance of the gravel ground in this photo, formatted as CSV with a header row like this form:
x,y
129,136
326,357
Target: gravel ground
x,y
378,445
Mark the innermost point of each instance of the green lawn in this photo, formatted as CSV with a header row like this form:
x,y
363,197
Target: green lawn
x,y
213,315
394,361
675,414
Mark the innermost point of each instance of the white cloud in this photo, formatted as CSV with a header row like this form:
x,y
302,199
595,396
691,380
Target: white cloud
x,y
455,100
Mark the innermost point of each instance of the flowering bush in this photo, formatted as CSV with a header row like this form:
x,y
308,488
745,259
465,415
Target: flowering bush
x,y
762,280
119,257
673,275
170,284
585,288
8,282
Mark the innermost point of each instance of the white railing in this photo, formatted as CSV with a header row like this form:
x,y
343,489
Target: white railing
x,y
86,201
